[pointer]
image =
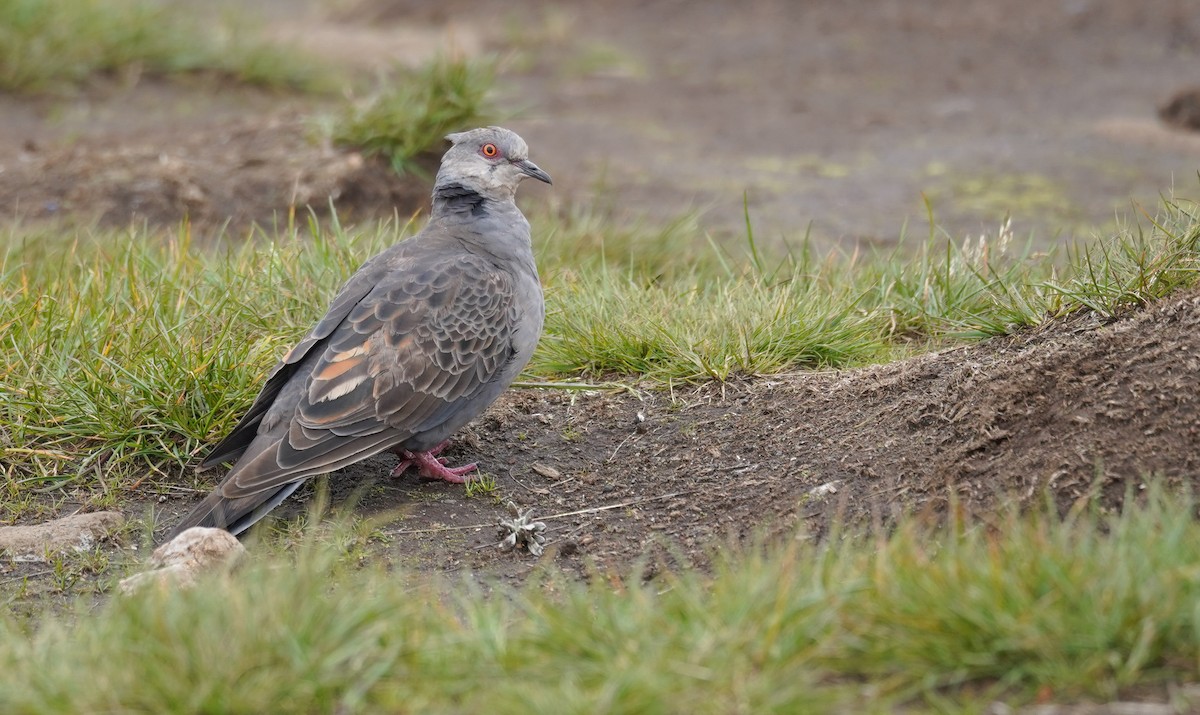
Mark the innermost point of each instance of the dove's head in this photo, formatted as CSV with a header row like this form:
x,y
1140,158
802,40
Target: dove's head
x,y
489,160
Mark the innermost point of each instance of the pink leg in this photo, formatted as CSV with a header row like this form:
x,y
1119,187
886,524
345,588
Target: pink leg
x,y
431,466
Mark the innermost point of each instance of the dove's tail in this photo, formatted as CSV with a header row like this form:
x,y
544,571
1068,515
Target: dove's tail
x,y
233,515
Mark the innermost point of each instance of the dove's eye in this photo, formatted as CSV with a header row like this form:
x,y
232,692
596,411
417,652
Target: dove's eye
x,y
490,151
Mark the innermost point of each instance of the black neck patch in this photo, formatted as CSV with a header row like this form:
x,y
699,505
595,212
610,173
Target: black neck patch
x,y
456,198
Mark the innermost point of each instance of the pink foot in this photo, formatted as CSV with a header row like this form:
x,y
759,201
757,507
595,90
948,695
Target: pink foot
x,y
431,466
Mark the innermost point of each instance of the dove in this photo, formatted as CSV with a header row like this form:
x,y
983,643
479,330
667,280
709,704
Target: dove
x,y
417,343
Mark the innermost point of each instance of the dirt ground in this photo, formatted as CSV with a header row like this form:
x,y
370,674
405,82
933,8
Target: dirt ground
x,y
833,115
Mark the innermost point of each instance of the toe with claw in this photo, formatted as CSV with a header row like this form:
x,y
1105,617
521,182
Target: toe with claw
x,y
432,467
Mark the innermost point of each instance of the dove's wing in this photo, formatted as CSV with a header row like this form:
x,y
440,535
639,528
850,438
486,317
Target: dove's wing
x,y
409,356
236,442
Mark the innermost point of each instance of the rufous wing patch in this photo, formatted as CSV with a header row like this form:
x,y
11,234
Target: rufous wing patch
x,y
352,352
336,369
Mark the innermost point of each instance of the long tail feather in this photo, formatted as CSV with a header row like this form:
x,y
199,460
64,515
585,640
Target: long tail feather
x,y
233,515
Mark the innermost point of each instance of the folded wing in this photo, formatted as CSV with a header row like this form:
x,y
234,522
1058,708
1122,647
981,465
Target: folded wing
x,y
405,358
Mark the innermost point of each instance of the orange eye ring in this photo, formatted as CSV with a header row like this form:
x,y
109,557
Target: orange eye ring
x,y
490,151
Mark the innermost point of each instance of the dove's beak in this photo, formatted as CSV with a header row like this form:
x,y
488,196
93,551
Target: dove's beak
x,y
528,168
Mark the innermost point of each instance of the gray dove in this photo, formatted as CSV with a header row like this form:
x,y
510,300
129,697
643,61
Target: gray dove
x,y
420,340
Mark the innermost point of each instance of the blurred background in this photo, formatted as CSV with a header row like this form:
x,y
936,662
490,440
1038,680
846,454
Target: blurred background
x,y
845,121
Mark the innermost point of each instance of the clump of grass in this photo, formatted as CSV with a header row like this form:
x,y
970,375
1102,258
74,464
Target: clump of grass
x,y
59,44
693,327
723,317
129,352
1137,266
1081,606
416,110
923,619
983,288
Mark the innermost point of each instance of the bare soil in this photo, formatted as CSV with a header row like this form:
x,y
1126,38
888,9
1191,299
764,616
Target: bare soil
x,y
835,115
225,173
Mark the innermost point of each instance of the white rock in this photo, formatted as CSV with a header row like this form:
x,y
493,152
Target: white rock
x,y
825,489
199,548
176,576
181,560
78,532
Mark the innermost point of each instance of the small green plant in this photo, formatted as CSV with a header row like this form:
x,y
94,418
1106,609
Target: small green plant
x,y
482,485
64,573
17,503
94,561
417,109
68,568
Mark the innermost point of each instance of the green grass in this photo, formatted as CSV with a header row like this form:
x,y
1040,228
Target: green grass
x,y
52,45
934,619
724,318
122,355
133,351
416,110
